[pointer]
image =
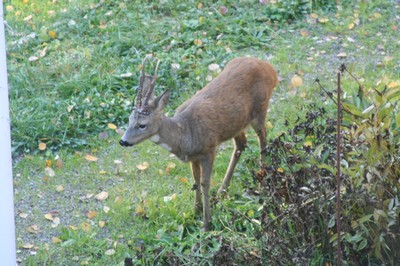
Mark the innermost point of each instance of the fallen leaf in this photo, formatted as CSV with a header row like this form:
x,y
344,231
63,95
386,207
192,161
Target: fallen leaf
x,y
198,42
33,229
323,20
103,135
102,224
393,84
183,180
91,158
27,246
52,34
214,68
102,196
342,55
139,210
56,222
170,167
307,144
49,216
60,188
106,209
143,166
296,81
28,18
56,240
351,26
280,170
110,252
59,163
304,33
33,58
112,126
49,171
269,125
86,227
91,214
42,146
223,10
23,215
200,5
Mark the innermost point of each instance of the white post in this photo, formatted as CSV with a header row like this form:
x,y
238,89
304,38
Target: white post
x,y
7,225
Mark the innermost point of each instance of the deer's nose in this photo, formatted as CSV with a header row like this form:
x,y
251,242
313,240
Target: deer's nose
x,y
125,143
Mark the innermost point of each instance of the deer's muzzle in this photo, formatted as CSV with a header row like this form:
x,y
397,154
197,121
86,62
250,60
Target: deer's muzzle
x,y
125,143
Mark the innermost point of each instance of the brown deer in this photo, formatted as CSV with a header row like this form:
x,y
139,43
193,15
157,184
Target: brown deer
x,y
222,110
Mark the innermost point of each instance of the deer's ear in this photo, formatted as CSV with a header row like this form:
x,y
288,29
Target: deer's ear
x,y
162,100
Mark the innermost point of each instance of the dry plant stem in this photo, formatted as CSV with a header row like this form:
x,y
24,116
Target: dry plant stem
x,y
338,171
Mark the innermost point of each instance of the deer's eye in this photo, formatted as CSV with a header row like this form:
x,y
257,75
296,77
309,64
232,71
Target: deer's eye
x,y
142,126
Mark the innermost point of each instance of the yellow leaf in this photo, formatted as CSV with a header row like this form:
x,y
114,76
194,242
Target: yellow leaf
x,y
25,1
269,125
52,34
198,42
307,143
112,126
393,84
280,170
42,146
49,163
106,209
296,81
102,224
49,171
250,213
200,5
313,15
56,240
86,227
110,252
323,20
183,180
102,172
72,227
170,167
90,158
27,246
102,196
139,210
143,166
9,8
60,188
351,26
23,215
33,229
59,163
91,214
49,216
377,15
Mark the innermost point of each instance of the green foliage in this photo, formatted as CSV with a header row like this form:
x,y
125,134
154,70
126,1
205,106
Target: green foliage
x,y
299,196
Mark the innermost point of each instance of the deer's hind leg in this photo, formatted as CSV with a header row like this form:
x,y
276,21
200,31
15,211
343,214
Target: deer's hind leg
x,y
240,142
258,125
196,171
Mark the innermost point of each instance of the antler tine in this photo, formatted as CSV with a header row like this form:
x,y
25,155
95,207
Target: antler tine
x,y
141,82
152,84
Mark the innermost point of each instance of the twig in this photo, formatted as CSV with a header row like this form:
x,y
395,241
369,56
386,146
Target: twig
x,y
339,259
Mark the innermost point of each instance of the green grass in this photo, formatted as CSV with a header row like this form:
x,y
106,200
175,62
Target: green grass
x,y
70,94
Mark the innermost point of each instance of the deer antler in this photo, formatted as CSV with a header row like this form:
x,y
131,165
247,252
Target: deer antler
x,y
141,83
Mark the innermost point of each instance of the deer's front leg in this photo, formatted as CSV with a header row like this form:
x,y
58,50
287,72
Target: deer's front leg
x,y
196,171
206,170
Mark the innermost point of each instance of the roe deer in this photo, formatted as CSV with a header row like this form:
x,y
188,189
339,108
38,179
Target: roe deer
x,y
222,110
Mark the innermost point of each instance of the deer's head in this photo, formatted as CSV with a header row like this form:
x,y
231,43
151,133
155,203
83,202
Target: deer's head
x,y
145,120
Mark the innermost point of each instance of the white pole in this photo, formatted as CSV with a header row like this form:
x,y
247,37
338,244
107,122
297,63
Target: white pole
x,y
7,225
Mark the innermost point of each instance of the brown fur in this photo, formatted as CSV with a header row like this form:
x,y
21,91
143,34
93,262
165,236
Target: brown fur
x,y
236,98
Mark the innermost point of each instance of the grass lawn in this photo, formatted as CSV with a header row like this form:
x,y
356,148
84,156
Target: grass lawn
x,y
81,199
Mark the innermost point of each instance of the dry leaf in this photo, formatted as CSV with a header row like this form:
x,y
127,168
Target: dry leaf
x,y
170,167
143,166
91,214
27,246
33,229
112,126
86,227
198,42
139,210
60,188
280,170
42,146
33,58
56,240
90,158
28,18
296,81
351,26
49,216
23,215
223,10
342,55
106,209
393,84
52,34
214,68
49,171
269,125
200,5
323,20
102,196
183,180
110,252
304,33
59,163
102,224
56,222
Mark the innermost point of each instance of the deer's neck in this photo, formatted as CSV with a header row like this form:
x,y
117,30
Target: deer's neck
x,y
174,136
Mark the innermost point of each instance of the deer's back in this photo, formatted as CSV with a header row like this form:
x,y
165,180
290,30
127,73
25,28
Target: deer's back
x,y
228,103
